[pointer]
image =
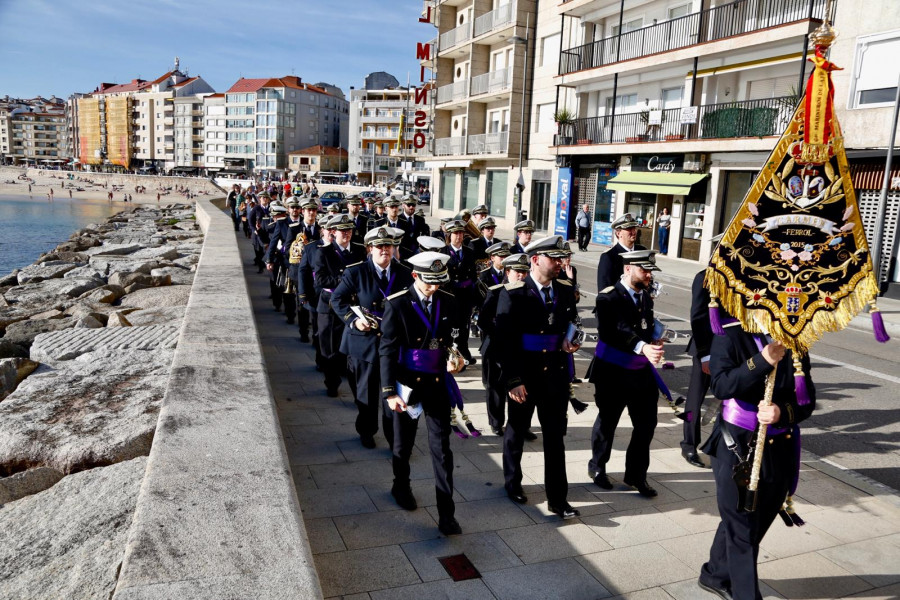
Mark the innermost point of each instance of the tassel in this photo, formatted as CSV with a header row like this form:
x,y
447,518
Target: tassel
x,y
800,383
789,509
785,517
881,334
715,320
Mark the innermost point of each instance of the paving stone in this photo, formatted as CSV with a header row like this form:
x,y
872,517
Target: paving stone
x,y
781,541
423,490
318,503
355,571
810,576
380,528
552,541
694,516
691,485
486,551
470,589
615,569
852,523
891,592
693,550
487,515
560,579
323,535
877,561
479,486
634,527
581,498
69,344
656,594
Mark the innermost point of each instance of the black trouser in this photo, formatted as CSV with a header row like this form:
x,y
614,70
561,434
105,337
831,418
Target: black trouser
x,y
638,392
290,304
437,420
276,292
334,364
466,306
696,392
584,236
303,318
493,387
735,547
551,407
365,382
236,219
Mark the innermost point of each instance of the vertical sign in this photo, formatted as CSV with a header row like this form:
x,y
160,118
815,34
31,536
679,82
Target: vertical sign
x,y
420,117
562,201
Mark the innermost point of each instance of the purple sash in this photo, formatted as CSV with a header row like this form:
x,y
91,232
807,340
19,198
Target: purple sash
x,y
630,361
424,360
532,342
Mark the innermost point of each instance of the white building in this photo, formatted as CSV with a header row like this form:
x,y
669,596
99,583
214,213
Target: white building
x,y
214,132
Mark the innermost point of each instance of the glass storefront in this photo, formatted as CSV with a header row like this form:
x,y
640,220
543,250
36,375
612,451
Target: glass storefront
x,y
496,193
470,188
448,189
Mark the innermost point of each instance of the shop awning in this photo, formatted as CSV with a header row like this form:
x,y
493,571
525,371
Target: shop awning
x,y
648,182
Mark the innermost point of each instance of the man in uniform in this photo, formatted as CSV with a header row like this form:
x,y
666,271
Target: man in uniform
x,y
698,347
417,332
609,269
306,289
392,219
487,227
329,264
494,274
533,317
360,221
259,236
622,371
479,214
283,235
739,365
365,286
274,256
377,213
312,231
524,230
417,224
461,268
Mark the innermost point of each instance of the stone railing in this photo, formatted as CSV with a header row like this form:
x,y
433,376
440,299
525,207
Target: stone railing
x,y
218,515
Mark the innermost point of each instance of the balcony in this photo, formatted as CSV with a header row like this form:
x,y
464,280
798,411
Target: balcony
x,y
452,146
488,143
452,92
727,20
455,36
501,17
748,118
382,163
492,82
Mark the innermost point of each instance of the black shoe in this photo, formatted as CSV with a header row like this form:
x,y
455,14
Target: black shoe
x,y
517,496
643,488
601,481
693,458
304,337
367,441
449,526
529,435
564,510
404,498
331,392
290,320
277,309
471,361
720,592
498,431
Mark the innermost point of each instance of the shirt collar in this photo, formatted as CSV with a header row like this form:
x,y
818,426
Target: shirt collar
x,y
626,248
540,287
631,291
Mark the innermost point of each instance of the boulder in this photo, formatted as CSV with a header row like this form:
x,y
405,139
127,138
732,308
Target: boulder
x,y
124,278
174,275
9,349
156,253
118,319
68,541
11,279
107,294
88,322
57,347
24,332
176,295
53,313
100,312
112,249
32,293
45,270
157,316
97,410
114,264
86,272
188,261
12,372
71,257
26,483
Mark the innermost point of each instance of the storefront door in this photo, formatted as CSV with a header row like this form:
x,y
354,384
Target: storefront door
x,y
540,204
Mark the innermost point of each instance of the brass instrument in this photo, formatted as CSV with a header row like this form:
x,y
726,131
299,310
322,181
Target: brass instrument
x,y
364,313
295,254
455,360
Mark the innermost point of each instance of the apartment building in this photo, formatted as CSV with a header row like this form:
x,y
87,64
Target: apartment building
x,y
378,153
317,159
32,131
132,125
69,142
482,86
189,134
268,118
674,104
214,133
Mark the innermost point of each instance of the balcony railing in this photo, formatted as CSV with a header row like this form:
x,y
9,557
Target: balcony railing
x,y
488,143
492,82
455,36
452,146
500,17
748,118
381,163
734,18
452,91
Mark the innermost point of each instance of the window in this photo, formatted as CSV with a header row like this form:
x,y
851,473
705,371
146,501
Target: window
x,y
628,26
448,189
312,111
470,188
679,11
873,84
775,87
545,122
671,98
496,193
624,102
549,56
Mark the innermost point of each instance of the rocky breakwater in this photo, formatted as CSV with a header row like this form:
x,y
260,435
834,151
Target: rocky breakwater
x,y
88,336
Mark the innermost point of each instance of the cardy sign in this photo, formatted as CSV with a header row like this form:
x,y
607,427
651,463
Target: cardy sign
x,y
563,202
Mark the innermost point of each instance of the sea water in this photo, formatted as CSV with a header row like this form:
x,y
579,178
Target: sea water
x,y
32,225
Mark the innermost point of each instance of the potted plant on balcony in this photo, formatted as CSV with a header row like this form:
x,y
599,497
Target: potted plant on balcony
x,y
564,120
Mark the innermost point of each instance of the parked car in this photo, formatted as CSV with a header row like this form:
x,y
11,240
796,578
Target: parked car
x,y
371,194
425,197
329,198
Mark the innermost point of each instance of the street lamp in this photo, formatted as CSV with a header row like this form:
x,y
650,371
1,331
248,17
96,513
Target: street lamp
x,y
520,183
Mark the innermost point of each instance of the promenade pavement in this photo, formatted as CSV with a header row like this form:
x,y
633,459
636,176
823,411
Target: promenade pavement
x,y
622,546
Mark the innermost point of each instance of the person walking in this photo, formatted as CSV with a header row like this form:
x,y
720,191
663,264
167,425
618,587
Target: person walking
x,y
663,223
583,222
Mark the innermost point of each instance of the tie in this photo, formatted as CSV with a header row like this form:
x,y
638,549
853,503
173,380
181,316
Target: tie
x,y
427,304
546,291
383,282
639,301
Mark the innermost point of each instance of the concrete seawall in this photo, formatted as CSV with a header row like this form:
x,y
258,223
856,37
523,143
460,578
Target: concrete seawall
x,y
217,515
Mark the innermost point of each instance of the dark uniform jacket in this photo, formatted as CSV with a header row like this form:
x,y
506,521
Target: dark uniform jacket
x,y
487,319
306,289
518,248
620,324
407,244
362,227
259,221
738,370
488,279
329,265
701,329
610,267
418,226
481,245
461,267
360,287
521,310
284,231
402,327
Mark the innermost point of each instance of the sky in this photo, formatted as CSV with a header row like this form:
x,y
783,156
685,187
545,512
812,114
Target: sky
x,y
59,47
